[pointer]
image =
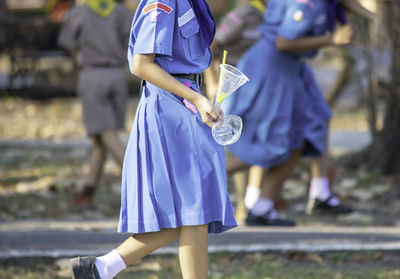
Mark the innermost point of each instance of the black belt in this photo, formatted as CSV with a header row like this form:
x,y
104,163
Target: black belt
x,y
194,77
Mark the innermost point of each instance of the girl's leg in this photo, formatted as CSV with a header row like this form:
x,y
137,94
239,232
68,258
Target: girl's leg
x,y
113,144
320,184
320,196
273,182
263,213
234,164
130,251
240,180
193,252
253,191
140,245
319,166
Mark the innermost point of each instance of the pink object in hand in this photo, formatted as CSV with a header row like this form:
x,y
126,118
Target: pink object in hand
x,y
189,104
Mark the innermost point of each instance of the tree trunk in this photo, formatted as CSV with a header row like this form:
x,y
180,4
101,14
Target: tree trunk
x,y
384,153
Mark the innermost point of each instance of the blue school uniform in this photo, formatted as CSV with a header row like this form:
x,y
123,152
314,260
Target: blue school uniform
x,y
174,172
282,106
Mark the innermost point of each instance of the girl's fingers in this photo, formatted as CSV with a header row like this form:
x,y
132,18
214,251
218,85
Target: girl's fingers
x,y
213,115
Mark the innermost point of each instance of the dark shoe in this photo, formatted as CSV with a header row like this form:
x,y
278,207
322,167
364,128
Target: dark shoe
x,y
83,198
318,206
265,220
84,268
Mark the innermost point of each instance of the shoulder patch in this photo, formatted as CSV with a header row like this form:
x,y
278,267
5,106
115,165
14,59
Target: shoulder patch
x,y
157,6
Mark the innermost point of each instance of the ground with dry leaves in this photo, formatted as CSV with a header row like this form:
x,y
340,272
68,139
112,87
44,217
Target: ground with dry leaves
x,y
37,180
290,265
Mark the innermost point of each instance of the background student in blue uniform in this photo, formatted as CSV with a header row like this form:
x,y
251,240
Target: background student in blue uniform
x,y
284,113
174,178
236,33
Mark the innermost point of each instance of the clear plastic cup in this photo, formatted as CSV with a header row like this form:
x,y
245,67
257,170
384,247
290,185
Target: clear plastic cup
x,y
230,79
229,128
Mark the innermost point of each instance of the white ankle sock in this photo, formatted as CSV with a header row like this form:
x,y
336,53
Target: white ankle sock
x,y
251,196
319,189
110,265
262,206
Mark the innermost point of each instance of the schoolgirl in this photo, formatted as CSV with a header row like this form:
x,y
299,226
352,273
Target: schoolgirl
x,y
236,33
284,113
174,179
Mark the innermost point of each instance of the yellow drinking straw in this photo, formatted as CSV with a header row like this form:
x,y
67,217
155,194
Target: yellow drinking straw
x,y
222,95
224,57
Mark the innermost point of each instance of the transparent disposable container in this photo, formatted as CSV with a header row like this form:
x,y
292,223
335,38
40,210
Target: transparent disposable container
x,y
229,128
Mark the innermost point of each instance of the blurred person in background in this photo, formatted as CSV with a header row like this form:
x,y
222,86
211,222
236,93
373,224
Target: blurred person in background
x,y
220,7
236,32
284,113
96,33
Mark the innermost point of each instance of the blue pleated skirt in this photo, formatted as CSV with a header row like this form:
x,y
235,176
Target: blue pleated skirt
x,y
174,172
282,108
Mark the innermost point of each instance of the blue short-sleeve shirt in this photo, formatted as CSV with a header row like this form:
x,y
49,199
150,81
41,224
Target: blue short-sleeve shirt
x,y
293,19
169,29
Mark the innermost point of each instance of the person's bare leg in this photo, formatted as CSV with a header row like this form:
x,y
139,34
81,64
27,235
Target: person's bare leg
x,y
140,245
319,165
112,142
273,182
234,164
240,180
252,194
320,195
193,252
130,251
97,158
96,165
256,174
320,183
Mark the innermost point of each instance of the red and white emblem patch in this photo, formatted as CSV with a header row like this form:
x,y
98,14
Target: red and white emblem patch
x,y
157,6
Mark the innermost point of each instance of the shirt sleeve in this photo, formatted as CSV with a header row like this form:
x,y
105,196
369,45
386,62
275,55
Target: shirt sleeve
x,y
152,29
298,20
68,37
229,29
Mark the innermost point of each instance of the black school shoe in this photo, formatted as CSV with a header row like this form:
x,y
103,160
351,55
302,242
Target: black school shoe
x,y
84,268
265,220
319,206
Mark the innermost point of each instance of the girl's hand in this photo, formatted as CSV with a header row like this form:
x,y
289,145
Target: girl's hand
x,y
342,36
206,109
